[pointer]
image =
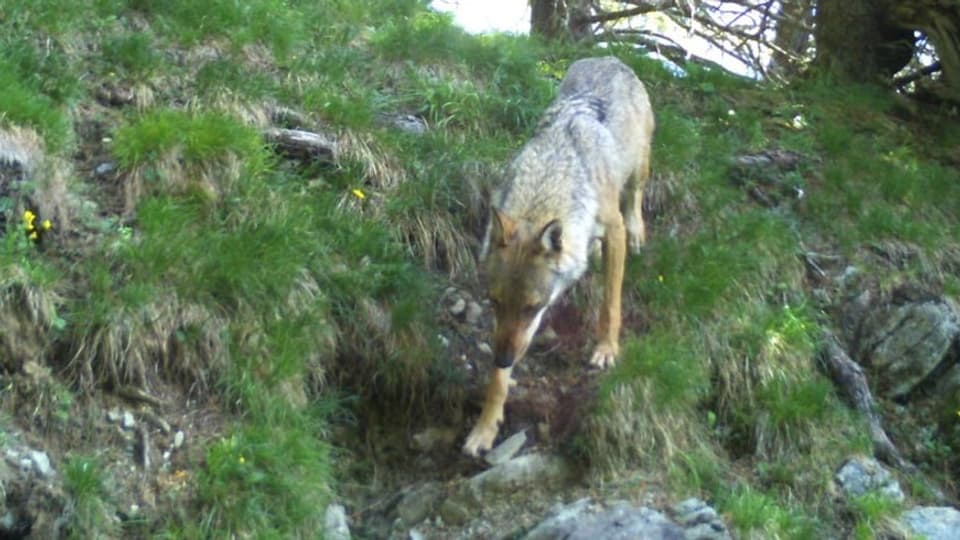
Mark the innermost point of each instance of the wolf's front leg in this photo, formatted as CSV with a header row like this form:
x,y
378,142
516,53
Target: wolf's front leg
x,y
614,258
483,434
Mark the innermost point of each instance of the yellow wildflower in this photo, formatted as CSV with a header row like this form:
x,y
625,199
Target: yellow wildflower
x,y
358,193
34,235
242,460
660,278
47,225
28,218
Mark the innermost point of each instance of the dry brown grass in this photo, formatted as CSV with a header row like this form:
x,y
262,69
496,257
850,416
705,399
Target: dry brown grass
x,y
162,338
28,313
632,429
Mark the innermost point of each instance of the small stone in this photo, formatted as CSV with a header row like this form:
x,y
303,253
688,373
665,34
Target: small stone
x,y
453,513
178,438
335,525
458,307
444,340
485,348
507,449
128,421
415,535
474,311
114,416
41,463
519,473
105,168
861,475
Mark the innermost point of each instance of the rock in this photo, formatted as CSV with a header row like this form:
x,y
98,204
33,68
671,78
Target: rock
x,y
105,168
418,503
519,473
415,535
700,521
128,421
474,312
507,449
433,438
458,307
861,475
41,463
335,523
114,416
932,522
409,123
453,512
178,438
620,521
484,348
909,343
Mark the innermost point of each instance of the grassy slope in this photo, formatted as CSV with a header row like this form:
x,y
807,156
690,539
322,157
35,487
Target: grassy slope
x,y
280,286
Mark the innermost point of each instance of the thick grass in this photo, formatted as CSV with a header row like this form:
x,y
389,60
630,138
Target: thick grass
x,y
89,510
277,288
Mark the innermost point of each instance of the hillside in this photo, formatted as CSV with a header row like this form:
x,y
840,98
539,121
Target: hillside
x,y
238,287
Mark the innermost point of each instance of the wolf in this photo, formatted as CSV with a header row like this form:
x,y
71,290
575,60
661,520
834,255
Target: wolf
x,y
578,179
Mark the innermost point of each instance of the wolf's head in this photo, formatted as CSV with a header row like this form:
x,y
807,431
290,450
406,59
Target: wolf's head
x,y
524,274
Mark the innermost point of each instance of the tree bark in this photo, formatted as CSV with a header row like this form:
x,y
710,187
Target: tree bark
x,y
860,40
793,37
547,18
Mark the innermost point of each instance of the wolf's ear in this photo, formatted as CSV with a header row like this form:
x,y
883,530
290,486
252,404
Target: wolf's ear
x,y
551,237
503,229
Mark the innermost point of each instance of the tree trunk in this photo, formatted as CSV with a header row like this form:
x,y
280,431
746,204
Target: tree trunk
x,y
548,18
793,37
860,40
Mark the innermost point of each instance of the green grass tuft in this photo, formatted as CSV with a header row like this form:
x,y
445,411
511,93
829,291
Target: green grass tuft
x,y
89,516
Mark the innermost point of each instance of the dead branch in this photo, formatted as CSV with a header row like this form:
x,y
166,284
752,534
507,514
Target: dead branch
x,y
303,145
849,378
904,80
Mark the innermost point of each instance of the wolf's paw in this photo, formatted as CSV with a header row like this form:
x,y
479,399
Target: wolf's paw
x,y
604,356
480,439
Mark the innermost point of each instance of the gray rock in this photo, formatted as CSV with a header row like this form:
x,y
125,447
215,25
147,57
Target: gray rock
x,y
415,535
178,438
519,473
932,522
105,168
484,348
418,503
861,475
474,311
114,416
41,463
335,525
700,521
128,421
507,449
458,306
410,124
620,521
907,343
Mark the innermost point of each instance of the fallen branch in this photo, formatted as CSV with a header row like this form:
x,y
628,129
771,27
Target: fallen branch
x,y
303,145
848,376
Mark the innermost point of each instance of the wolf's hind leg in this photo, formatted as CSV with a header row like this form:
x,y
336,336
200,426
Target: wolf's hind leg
x,y
633,205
